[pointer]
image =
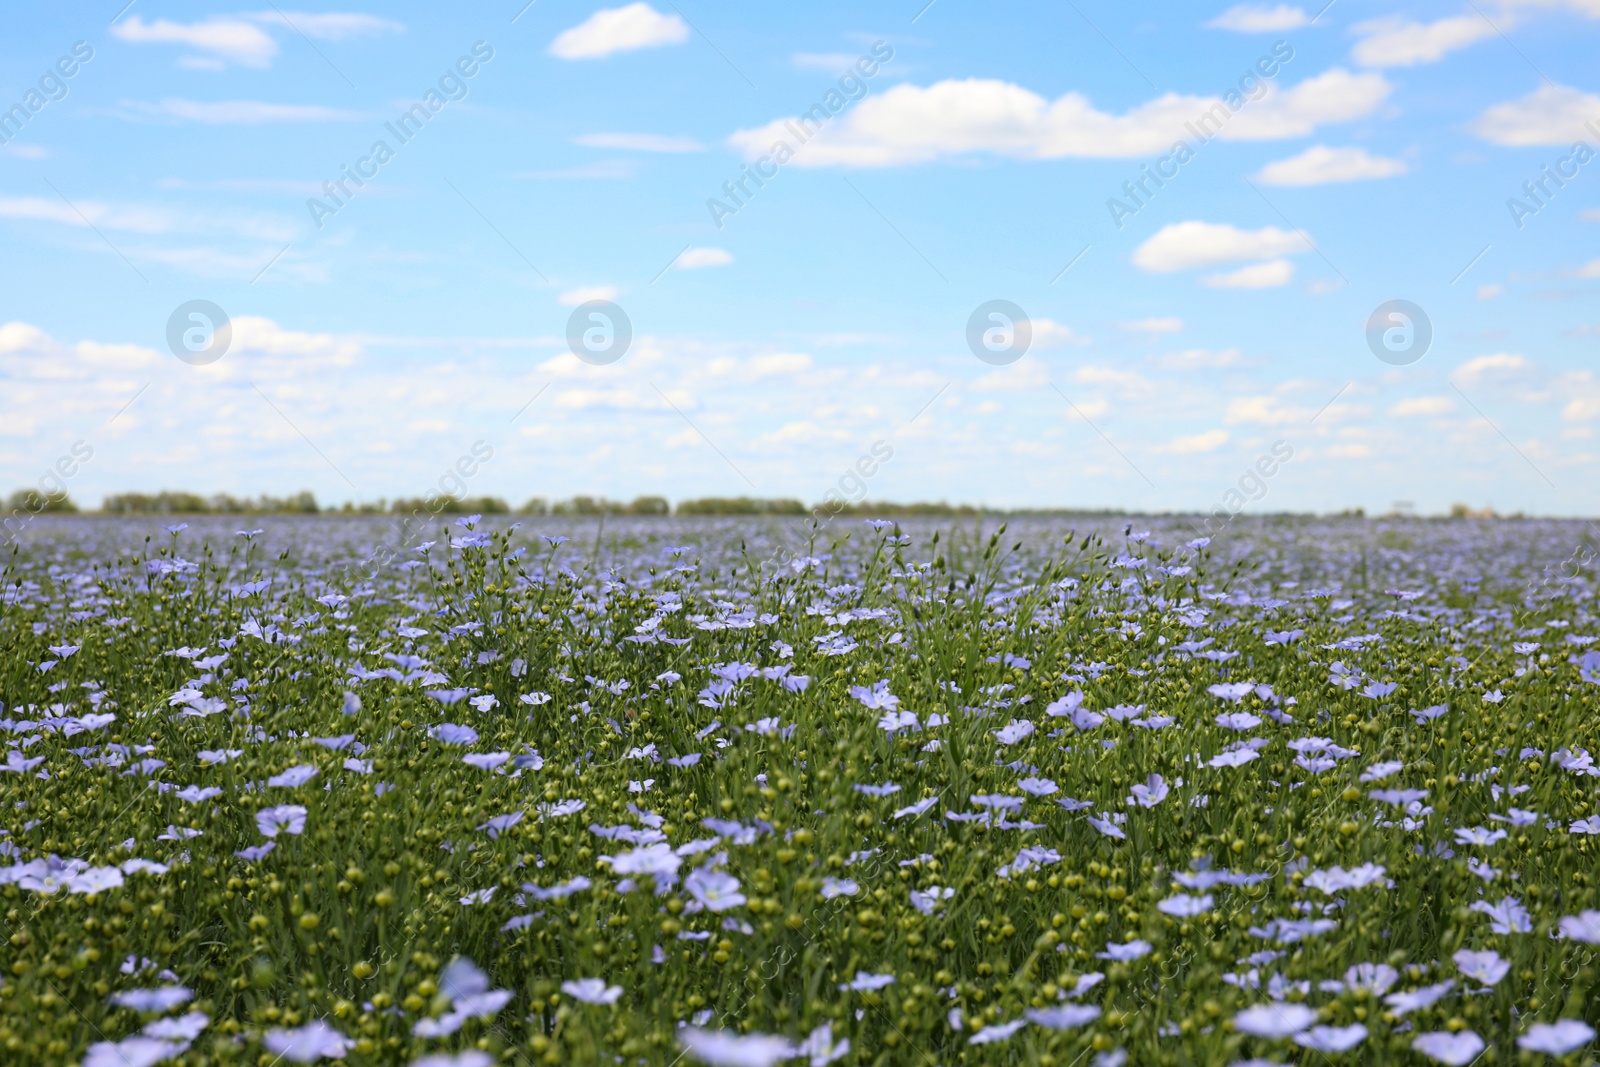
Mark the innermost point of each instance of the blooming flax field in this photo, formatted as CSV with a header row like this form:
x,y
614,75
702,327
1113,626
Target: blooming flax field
x,y
1318,790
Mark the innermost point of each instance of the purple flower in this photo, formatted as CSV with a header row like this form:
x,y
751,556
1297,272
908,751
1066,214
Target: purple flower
x,y
868,983
1454,1050
183,1028
94,880
136,1051
1184,906
256,852
1274,1020
878,698
1014,731
998,1032
1557,1038
715,890
311,1042
285,818
1125,952
153,1001
1506,917
1107,827
1332,1038
294,776
835,887
592,991
1153,792
452,734
1065,1017
724,1048
1584,927
1417,999
1486,967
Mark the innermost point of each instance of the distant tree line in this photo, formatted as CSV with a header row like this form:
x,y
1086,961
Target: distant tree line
x,y
168,502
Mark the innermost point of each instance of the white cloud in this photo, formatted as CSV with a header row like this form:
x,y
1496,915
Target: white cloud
x,y
912,124
619,29
1266,409
147,220
1171,324
21,337
585,293
1321,165
1490,291
240,112
1395,42
1580,386
26,151
695,258
86,213
328,25
1201,359
1499,364
1268,275
830,61
1590,214
605,170
1193,444
1259,18
1186,245
224,38
1423,405
1335,95
1050,334
639,142
1551,115
1591,8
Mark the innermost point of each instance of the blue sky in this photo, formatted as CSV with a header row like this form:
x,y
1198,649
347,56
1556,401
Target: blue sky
x,y
377,338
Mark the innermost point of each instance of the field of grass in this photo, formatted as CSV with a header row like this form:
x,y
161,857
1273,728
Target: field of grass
x,y
626,791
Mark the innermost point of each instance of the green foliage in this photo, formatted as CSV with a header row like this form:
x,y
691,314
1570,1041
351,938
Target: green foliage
x,y
33,502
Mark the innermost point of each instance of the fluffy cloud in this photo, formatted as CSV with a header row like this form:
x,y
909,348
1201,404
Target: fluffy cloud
x,y
1050,334
1321,165
1186,245
695,258
1258,18
243,40
223,38
1193,444
1550,115
639,142
1497,365
239,112
145,219
1394,42
914,124
1171,324
1269,410
1201,359
619,29
1423,405
328,25
1268,275
585,293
